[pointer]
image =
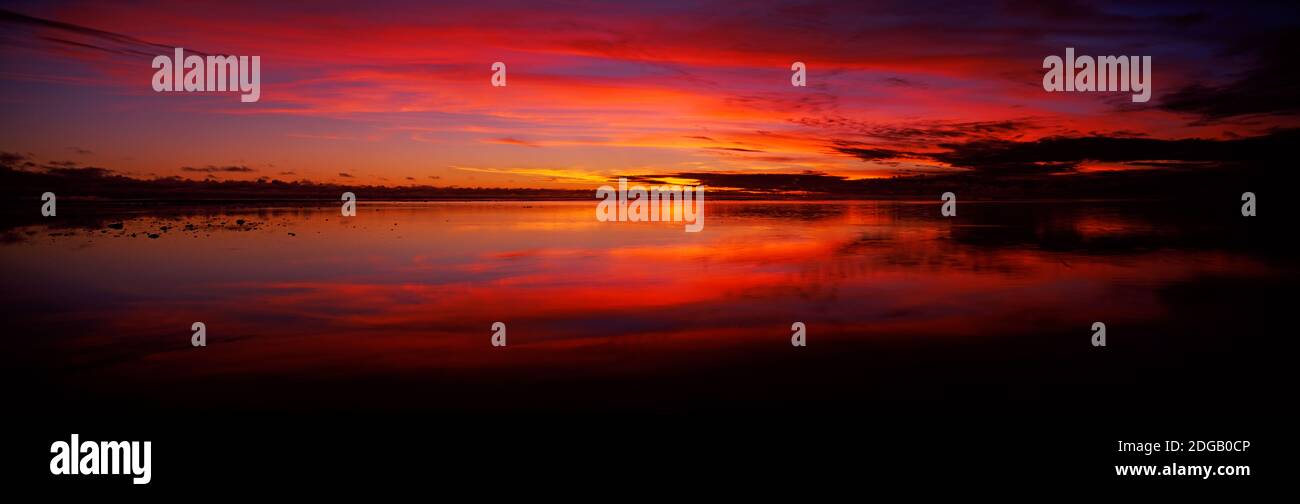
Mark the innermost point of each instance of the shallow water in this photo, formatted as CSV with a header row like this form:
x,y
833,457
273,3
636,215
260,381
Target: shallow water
x,y
401,297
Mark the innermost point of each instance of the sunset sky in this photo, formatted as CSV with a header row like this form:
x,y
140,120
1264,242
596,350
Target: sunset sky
x,y
400,94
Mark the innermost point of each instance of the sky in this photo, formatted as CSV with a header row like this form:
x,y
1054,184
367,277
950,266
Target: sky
x,y
399,93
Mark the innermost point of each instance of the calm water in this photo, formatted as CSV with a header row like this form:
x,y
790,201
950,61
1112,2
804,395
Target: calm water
x,y
394,307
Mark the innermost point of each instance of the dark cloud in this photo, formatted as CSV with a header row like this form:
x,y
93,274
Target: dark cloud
x,y
921,132
1057,153
1060,154
1187,20
1270,87
345,175
91,38
84,172
901,82
763,182
15,161
733,149
12,158
803,103
1062,10
218,169
867,154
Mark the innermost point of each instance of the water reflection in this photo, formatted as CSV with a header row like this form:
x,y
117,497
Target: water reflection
x,y
407,292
